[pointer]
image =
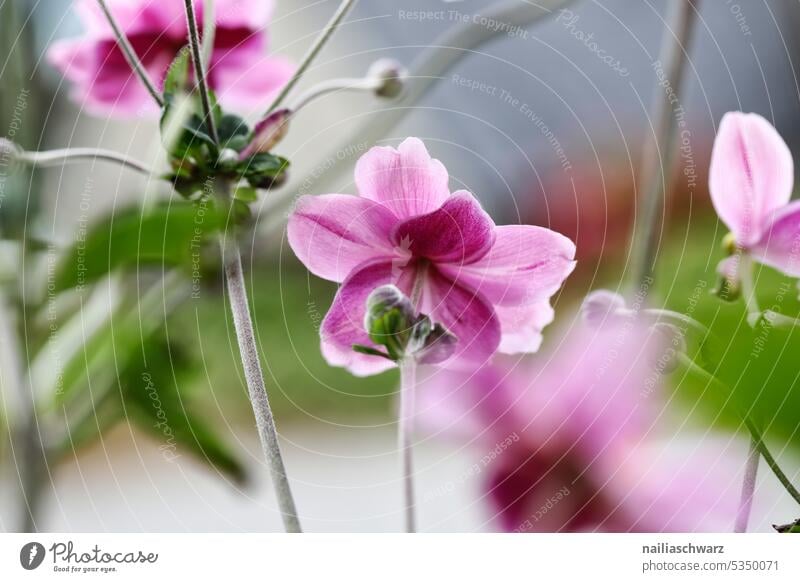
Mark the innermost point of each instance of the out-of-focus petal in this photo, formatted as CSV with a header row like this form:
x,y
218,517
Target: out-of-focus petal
x,y
751,174
522,326
334,233
343,325
406,179
526,264
250,87
252,14
779,246
458,232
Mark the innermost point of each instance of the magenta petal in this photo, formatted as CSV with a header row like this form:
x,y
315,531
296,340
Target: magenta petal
x,y
465,314
525,264
343,325
250,87
458,232
779,246
406,180
751,174
334,233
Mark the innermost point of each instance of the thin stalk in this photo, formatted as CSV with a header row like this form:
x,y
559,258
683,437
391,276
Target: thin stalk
x,y
758,442
748,489
659,149
67,155
200,70
408,383
265,422
334,85
130,55
312,53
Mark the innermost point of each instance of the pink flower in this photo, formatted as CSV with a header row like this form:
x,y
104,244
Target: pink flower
x,y
574,442
751,179
240,71
488,285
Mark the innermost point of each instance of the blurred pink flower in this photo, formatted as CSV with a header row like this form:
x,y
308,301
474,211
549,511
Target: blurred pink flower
x,y
574,443
488,285
240,71
751,179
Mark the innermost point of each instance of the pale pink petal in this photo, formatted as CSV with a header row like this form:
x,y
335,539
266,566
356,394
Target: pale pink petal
x,y
779,246
460,231
134,17
525,264
522,326
334,233
465,314
249,87
252,14
343,325
751,174
405,179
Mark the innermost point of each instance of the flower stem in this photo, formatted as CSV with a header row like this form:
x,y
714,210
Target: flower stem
x,y
312,53
200,70
408,384
66,155
758,443
333,85
130,55
748,489
659,149
237,297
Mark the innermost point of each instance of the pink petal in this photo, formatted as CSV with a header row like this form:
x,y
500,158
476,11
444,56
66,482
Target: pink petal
x,y
464,313
252,14
134,17
525,264
406,179
343,325
250,86
460,231
779,246
751,174
335,233
522,326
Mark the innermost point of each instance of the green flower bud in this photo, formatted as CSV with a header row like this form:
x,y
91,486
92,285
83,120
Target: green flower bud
x,y
391,76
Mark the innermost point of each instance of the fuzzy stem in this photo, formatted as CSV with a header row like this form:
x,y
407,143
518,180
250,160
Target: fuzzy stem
x,y
334,85
237,297
200,70
748,489
408,383
67,155
659,149
312,53
130,54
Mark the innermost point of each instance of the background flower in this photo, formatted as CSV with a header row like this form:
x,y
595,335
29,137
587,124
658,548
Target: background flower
x,y
488,285
240,71
586,451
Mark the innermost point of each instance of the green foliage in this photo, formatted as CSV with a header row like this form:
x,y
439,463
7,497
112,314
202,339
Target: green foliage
x,y
166,235
758,366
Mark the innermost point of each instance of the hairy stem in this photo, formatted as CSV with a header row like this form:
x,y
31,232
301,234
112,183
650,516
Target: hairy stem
x,y
748,489
67,155
408,384
758,443
312,53
130,55
659,148
237,297
200,70
333,85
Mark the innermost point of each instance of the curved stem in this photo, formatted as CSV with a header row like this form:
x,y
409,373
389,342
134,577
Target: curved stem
x,y
333,85
265,422
67,155
408,384
758,442
312,53
659,148
130,54
200,70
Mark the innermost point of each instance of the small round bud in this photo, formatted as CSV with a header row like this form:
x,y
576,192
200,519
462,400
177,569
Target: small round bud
x,y
728,286
391,76
601,305
385,299
228,159
729,244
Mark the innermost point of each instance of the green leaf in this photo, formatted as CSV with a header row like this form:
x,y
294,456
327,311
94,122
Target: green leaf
x,y
167,235
233,131
177,78
246,194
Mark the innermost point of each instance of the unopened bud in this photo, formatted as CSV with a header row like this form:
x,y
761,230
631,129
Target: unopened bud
x,y
600,306
728,286
729,244
268,133
391,76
